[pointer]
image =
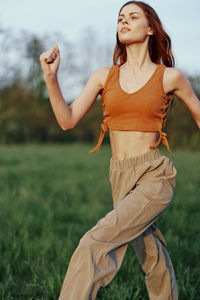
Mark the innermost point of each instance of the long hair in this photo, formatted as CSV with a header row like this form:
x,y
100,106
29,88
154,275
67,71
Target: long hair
x,y
159,43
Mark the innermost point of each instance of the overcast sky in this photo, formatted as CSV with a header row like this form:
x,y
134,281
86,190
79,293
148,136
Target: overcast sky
x,y
180,18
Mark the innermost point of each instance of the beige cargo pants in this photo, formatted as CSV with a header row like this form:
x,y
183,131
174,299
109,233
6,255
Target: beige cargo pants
x,y
142,188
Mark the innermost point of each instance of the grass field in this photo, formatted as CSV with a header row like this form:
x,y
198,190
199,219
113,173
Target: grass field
x,y
51,195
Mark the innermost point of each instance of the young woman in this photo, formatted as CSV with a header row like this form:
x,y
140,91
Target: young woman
x,y
136,94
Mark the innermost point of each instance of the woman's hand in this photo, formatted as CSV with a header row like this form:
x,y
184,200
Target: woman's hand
x,y
50,61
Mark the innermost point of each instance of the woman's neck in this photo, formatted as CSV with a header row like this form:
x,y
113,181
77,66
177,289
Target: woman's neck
x,y
138,57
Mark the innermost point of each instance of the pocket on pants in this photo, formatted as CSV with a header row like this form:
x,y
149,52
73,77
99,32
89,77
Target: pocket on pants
x,y
169,168
158,183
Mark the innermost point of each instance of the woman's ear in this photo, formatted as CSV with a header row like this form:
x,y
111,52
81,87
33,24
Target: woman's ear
x,y
150,31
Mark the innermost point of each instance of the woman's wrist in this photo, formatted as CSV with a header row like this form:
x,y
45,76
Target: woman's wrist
x,y
51,78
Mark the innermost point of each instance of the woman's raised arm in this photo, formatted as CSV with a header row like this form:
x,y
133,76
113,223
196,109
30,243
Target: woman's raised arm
x,y
69,116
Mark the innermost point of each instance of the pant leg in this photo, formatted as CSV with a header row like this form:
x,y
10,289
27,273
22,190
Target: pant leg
x,y
101,250
150,248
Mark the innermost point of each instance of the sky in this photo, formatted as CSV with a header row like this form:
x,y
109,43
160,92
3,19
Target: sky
x,y
180,19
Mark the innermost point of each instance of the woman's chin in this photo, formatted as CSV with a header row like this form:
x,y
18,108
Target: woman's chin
x,y
125,42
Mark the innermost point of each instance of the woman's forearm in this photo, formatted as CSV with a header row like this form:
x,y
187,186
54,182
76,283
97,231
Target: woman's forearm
x,y
60,108
67,116
50,61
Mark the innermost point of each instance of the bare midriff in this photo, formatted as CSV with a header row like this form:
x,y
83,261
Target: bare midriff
x,y
127,144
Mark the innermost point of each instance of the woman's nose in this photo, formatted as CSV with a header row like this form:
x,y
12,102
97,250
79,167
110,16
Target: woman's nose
x,y
125,21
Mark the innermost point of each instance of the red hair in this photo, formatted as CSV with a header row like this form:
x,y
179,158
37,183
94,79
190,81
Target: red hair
x,y
159,43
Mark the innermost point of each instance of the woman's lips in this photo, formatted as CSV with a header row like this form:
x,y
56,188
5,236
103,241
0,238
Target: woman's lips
x,y
125,29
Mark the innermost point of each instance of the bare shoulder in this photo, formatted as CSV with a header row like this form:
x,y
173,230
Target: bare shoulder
x,y
173,73
173,78
182,88
101,75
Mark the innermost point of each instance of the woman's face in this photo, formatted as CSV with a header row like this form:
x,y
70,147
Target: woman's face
x,y
132,26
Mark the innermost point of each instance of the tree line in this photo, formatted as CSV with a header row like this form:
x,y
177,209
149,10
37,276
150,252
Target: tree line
x,y
25,112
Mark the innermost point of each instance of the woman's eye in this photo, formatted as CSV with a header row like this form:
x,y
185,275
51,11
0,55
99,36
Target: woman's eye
x,y
120,20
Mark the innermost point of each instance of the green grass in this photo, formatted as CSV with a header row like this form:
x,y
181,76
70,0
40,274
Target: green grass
x,y
51,195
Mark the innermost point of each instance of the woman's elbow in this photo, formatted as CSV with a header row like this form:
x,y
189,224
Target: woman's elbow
x,y
67,126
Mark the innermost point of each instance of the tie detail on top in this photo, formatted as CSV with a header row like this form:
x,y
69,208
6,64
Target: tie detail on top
x,y
104,129
163,135
164,140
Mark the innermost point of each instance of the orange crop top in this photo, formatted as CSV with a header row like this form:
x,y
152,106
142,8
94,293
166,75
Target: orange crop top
x,y
143,110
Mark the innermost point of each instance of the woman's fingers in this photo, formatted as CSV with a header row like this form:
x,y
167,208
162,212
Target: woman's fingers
x,y
50,60
50,55
57,49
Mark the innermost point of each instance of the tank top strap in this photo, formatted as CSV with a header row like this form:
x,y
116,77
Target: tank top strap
x,y
160,74
162,69
111,77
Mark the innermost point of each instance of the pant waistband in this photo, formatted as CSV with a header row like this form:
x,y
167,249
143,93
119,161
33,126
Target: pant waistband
x,y
136,160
